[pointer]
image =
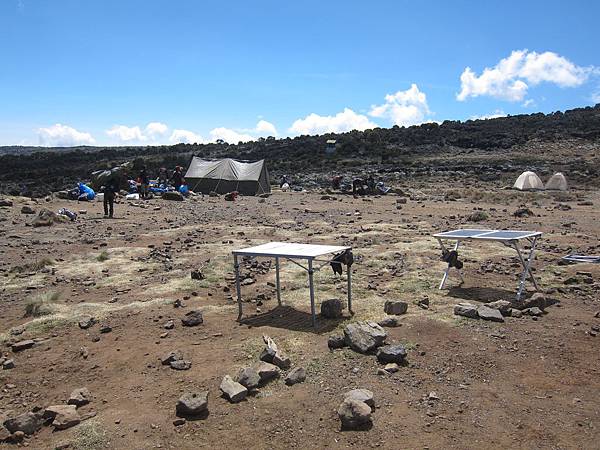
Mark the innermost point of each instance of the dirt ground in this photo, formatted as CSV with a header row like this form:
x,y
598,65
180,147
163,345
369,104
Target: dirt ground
x,y
523,384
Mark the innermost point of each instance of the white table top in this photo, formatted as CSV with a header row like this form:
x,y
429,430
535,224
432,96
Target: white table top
x,y
290,250
488,235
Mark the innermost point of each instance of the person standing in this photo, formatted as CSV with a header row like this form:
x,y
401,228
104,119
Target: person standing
x,y
110,190
177,178
144,183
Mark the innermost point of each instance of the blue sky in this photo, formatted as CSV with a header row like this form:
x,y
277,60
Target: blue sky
x,y
147,72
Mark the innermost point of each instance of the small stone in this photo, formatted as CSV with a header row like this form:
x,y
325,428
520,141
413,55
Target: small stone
x,y
8,364
466,310
192,404
27,423
388,322
63,416
336,341
516,313
79,397
170,357
266,371
22,345
486,313
362,395
86,322
169,325
354,414
395,308
233,390
296,375
391,354
392,367
192,318
105,329
504,306
248,377
364,337
534,311
179,421
180,364
331,309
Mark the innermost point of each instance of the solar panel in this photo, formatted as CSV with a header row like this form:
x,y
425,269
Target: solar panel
x,y
467,233
507,235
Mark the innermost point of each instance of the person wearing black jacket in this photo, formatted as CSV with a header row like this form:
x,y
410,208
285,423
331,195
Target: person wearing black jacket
x,y
110,189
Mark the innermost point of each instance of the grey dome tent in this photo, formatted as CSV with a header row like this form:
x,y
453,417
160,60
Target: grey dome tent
x,y
227,175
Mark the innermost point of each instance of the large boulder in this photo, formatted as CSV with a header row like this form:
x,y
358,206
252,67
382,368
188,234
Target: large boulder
x,y
395,308
232,390
28,422
192,318
364,337
466,310
391,354
192,404
354,414
491,314
63,416
332,308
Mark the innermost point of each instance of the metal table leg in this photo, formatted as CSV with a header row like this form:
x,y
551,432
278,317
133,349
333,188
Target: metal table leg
x,y
277,280
526,269
237,285
312,292
523,263
447,271
349,269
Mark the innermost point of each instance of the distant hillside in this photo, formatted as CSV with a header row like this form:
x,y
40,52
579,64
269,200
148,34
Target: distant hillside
x,y
484,149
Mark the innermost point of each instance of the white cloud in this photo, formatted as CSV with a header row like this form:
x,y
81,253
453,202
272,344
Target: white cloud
x,y
59,135
404,108
347,120
494,115
512,76
230,136
156,130
185,137
264,128
529,102
126,134
596,96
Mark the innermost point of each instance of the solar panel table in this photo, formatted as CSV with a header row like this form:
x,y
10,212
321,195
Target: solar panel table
x,y
510,238
291,252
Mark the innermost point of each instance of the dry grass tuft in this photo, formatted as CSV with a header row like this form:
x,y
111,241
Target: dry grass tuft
x,y
42,305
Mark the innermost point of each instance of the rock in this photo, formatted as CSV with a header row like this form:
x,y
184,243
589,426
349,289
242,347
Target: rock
x,y
354,414
391,368
466,310
197,275
46,218
192,318
364,337
395,308
27,210
169,325
249,377
233,390
28,423
388,322
423,303
273,355
535,311
63,416
296,375
8,364
5,202
361,395
179,422
486,313
192,404
516,313
180,364
79,397
86,322
22,345
4,433
336,341
504,306
172,195
331,309
170,357
266,371
105,329
391,354
536,300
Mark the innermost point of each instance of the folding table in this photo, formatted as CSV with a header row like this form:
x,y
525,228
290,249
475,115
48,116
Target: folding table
x,y
292,252
509,238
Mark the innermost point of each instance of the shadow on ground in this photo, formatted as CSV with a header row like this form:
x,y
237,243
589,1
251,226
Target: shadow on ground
x,y
481,294
291,319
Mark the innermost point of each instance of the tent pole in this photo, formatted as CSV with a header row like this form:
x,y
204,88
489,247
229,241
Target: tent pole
x,y
312,293
277,280
237,285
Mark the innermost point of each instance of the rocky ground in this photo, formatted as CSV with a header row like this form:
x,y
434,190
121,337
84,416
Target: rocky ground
x,y
95,307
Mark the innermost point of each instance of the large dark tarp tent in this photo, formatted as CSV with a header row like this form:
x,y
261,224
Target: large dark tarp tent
x,y
227,175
